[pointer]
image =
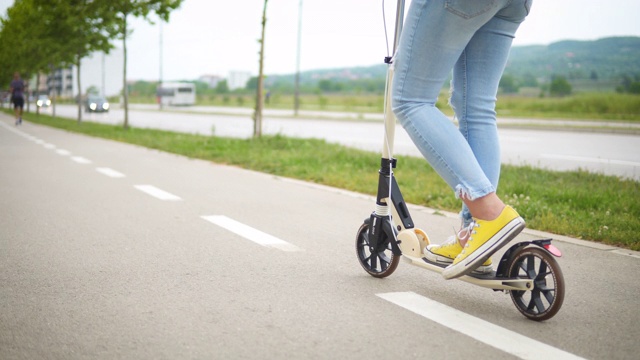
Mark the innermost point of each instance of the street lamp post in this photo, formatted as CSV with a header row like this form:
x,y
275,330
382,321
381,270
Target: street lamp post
x,y
296,101
160,77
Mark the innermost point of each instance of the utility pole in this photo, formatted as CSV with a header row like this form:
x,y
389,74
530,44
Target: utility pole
x,y
160,77
296,100
104,93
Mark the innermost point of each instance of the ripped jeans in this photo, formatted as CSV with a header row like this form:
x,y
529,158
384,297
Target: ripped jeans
x,y
473,38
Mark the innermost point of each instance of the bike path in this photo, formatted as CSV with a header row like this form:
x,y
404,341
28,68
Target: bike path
x,y
102,265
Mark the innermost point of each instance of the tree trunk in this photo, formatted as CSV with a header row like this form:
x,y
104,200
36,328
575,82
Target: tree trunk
x,y
37,95
53,103
257,125
125,90
27,97
79,90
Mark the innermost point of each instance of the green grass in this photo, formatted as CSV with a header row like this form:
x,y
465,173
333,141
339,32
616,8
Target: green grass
x,y
587,105
608,106
581,105
577,204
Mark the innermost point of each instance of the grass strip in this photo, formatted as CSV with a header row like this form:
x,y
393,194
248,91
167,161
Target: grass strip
x,y
578,204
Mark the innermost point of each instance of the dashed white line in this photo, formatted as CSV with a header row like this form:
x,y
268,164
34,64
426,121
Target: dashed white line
x,y
250,233
80,160
49,146
110,172
157,193
478,329
63,152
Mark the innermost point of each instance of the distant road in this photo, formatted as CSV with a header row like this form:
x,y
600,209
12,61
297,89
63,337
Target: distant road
x,y
604,151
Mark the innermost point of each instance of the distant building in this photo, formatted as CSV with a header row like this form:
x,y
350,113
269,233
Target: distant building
x,y
60,82
238,79
57,82
38,84
211,80
99,71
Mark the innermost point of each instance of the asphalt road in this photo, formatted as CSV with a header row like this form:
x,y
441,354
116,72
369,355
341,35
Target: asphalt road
x,y
115,251
603,152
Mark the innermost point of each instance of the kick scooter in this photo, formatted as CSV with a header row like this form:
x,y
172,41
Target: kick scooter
x,y
528,270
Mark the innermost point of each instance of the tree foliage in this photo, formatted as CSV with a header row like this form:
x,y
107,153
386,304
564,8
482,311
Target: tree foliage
x,y
509,84
121,10
42,35
559,86
630,84
22,23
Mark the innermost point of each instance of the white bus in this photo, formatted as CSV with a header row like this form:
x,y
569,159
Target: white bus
x,y
177,94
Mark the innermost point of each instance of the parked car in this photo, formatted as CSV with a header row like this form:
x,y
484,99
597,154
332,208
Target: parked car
x,y
96,104
43,101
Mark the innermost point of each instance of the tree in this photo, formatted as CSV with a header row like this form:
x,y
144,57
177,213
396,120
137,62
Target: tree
x,y
559,86
327,85
74,30
508,84
222,87
630,84
257,116
93,90
252,84
22,41
529,80
121,10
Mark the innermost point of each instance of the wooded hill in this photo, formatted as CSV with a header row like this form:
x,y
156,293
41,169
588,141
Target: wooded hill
x,y
605,60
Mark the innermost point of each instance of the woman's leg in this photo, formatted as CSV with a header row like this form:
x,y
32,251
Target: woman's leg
x,y
435,36
476,76
439,34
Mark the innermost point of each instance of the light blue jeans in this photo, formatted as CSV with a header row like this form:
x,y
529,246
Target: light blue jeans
x,y
473,38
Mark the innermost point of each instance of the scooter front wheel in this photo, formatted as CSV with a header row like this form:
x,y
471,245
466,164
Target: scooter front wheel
x,y
545,299
380,262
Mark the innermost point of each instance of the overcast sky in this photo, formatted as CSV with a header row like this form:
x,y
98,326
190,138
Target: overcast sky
x,y
218,36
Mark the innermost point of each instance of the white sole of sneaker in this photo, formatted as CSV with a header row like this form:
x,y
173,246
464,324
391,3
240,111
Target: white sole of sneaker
x,y
471,262
445,261
438,259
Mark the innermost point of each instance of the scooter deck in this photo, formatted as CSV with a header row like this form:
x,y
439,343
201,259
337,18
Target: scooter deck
x,y
490,280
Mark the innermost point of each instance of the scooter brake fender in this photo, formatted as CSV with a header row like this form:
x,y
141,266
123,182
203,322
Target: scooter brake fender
x,y
508,255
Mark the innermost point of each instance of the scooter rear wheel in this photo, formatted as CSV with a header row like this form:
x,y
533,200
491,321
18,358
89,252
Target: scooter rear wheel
x,y
545,299
380,262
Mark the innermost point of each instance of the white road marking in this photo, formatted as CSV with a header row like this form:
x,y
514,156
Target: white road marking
x,y
250,233
63,152
157,193
478,329
29,137
80,160
110,172
13,129
590,159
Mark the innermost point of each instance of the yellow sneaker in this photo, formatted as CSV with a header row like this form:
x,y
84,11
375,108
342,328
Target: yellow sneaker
x,y
486,238
446,252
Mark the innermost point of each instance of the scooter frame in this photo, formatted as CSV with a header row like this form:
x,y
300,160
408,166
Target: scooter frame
x,y
391,230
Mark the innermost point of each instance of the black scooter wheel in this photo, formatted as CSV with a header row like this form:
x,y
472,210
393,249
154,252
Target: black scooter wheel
x,y
380,262
544,300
